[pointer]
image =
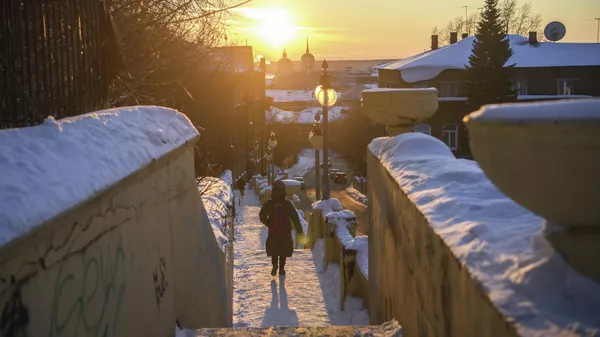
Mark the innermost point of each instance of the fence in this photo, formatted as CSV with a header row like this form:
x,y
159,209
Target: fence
x,y
51,59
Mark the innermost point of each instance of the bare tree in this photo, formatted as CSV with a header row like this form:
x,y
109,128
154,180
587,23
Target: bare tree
x,y
169,60
519,19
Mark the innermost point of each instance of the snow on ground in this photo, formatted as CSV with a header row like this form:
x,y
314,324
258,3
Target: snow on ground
x,y
306,116
356,195
305,163
499,242
49,168
260,300
291,95
280,95
216,194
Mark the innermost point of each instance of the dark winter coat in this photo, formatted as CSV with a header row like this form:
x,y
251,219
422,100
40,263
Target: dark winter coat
x,y
241,183
280,245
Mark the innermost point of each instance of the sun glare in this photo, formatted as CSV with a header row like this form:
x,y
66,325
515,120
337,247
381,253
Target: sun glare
x,y
275,27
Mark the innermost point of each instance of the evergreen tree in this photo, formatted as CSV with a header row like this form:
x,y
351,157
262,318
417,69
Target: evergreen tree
x,y
488,79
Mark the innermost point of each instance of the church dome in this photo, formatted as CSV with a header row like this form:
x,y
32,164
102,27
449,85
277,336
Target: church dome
x,y
308,60
284,65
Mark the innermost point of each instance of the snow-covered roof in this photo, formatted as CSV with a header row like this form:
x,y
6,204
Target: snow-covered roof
x,y
430,64
291,95
306,116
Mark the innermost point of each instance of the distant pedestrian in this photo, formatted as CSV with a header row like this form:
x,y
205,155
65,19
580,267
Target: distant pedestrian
x,y
241,186
276,215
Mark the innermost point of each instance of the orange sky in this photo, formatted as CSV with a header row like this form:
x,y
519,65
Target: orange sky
x,y
359,29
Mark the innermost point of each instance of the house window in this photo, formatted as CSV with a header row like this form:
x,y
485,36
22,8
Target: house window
x,y
450,136
520,87
449,89
565,87
422,128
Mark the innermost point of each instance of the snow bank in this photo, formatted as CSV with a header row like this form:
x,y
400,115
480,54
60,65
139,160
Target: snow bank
x,y
49,168
217,197
306,116
497,240
356,195
303,221
305,163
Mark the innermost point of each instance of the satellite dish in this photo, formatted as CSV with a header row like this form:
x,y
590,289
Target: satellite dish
x,y
555,31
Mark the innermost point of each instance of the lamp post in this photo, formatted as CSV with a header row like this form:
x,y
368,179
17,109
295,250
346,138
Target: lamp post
x,y
327,97
272,144
316,140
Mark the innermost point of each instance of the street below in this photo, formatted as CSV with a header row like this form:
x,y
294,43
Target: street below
x,y
338,191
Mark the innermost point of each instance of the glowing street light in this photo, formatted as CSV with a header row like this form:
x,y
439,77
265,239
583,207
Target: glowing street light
x,y
327,97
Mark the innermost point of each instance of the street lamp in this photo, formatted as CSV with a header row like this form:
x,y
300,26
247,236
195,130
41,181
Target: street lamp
x,y
316,140
327,97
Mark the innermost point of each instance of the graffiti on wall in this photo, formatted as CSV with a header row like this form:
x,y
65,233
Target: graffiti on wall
x,y
160,280
88,293
15,317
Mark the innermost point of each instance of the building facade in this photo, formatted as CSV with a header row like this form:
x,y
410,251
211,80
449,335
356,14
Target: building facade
x,y
543,71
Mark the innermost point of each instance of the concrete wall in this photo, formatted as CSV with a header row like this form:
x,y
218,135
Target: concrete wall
x,y
413,275
129,261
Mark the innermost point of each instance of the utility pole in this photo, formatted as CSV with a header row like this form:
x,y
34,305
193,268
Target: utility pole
x,y
598,31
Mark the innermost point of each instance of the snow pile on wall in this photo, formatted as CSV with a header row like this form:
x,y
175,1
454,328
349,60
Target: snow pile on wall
x,y
217,197
497,240
342,219
49,168
356,195
327,206
354,307
227,177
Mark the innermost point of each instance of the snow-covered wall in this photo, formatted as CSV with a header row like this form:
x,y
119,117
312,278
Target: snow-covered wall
x,y
449,255
103,229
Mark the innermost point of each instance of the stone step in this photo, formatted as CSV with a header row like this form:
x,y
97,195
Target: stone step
x,y
389,329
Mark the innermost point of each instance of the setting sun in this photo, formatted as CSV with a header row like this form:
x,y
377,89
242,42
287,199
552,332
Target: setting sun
x,y
273,26
276,27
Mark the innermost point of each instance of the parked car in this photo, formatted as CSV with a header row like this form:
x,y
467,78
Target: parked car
x,y
333,172
340,178
301,181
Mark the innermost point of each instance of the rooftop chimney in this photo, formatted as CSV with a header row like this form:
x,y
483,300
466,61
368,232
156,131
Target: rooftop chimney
x,y
434,42
263,64
533,38
465,35
453,37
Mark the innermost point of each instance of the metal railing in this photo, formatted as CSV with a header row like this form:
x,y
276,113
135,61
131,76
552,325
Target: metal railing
x,y
51,59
